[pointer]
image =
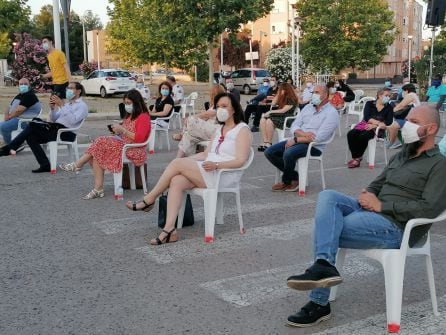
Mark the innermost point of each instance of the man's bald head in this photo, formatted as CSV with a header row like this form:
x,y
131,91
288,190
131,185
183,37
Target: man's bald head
x,y
425,115
24,81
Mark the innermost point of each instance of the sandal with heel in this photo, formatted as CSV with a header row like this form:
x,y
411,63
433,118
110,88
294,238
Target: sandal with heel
x,y
146,208
169,238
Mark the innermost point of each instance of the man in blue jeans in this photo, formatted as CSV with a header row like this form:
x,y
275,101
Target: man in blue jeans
x,y
316,122
411,186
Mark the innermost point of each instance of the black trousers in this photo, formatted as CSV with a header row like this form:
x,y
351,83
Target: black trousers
x,y
37,133
258,110
358,141
60,89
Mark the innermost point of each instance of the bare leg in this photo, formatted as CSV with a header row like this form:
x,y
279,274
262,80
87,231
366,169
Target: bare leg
x,y
269,131
85,158
393,132
187,167
177,187
98,174
262,127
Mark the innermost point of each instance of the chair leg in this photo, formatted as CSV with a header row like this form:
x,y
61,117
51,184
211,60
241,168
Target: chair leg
x,y
117,179
430,278
393,277
321,163
239,211
152,140
219,210
167,139
132,176
53,155
340,259
277,178
76,150
210,208
143,178
385,153
302,167
371,148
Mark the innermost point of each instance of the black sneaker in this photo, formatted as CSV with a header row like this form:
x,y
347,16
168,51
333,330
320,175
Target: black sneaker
x,y
41,169
317,275
309,315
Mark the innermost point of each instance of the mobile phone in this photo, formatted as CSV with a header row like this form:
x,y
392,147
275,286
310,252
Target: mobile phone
x,y
109,126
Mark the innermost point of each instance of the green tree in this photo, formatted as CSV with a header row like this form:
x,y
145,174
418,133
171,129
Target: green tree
x,y
91,21
178,32
14,18
235,47
340,34
43,22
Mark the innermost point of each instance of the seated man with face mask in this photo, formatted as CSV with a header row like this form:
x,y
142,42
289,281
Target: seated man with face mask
x,y
62,115
411,186
24,105
316,122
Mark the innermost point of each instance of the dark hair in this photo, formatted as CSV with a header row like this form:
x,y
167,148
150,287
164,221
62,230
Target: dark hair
x,y
139,106
49,38
274,76
438,77
382,90
409,87
171,78
330,84
79,86
291,79
167,84
238,111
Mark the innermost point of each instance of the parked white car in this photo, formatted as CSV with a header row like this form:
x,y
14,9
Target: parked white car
x,y
108,81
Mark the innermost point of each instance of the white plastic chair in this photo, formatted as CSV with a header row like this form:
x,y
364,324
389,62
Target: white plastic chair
x,y
302,167
72,147
393,262
371,149
281,131
156,127
117,177
176,117
358,94
357,108
19,129
187,103
213,202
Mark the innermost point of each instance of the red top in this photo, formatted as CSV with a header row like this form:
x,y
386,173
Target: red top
x,y
142,128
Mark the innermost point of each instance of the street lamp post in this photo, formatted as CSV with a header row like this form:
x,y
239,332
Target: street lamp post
x,y
262,33
221,53
14,45
432,55
410,53
97,48
250,51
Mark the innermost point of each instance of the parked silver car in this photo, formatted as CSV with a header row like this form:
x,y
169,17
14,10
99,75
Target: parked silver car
x,y
248,80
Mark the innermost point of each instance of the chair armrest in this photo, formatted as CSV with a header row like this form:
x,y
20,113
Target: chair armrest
x,y
287,119
64,130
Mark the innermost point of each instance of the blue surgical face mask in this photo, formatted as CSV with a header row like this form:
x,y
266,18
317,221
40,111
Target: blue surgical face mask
x,y
128,108
436,83
385,99
140,85
69,93
23,88
45,46
316,99
387,84
165,93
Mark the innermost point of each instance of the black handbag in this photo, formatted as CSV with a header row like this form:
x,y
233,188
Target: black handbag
x,y
188,219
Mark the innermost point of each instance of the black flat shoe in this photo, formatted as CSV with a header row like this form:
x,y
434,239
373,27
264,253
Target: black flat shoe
x,y
146,208
261,148
41,169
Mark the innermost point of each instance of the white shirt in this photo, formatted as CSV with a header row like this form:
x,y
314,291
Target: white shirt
x,y
322,123
177,93
71,114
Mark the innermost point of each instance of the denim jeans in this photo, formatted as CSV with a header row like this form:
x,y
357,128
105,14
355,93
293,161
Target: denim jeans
x,y
7,127
285,159
340,222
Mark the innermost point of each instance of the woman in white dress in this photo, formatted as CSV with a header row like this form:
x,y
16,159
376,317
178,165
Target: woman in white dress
x,y
229,149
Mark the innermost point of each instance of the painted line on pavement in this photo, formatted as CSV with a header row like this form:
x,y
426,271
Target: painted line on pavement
x,y
417,318
114,226
263,286
227,242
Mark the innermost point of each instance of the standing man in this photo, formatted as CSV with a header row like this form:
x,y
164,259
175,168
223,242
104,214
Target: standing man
x,y
68,115
59,70
24,105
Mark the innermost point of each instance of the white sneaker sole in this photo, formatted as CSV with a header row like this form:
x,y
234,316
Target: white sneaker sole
x,y
304,325
306,285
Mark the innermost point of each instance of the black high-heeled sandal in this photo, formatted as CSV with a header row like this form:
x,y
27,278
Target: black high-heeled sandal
x,y
167,239
146,208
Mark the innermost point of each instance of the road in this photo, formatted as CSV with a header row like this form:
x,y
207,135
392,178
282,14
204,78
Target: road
x,y
71,266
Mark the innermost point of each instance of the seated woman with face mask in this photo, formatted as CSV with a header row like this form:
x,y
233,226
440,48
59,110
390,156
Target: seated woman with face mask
x,y
105,153
229,149
377,114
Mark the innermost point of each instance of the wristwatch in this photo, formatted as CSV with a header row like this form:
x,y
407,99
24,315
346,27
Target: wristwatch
x,y
295,139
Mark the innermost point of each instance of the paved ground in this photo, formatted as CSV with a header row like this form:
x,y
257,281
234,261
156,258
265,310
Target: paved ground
x,y
71,266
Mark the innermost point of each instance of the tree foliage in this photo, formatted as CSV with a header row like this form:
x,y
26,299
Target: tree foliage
x,y
177,32
340,34
235,47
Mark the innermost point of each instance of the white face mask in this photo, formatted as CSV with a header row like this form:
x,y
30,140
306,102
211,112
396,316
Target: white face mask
x,y
273,83
332,90
222,114
128,108
316,99
410,132
230,86
309,85
265,83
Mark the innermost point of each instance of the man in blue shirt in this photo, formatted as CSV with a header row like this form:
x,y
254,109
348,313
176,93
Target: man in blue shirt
x,y
436,94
